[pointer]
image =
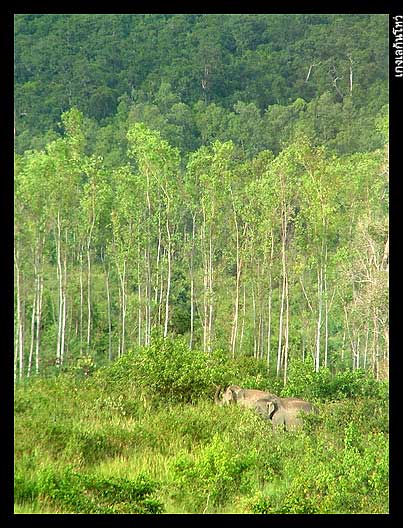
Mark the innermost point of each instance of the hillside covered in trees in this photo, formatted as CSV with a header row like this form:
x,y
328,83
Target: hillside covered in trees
x,y
200,200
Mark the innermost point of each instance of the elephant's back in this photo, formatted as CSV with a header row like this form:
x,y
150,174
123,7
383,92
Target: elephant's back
x,y
298,404
256,394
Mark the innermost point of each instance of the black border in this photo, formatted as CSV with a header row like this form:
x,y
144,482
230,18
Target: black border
x,y
6,385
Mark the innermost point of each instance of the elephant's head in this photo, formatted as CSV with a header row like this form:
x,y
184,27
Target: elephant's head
x,y
263,407
229,396
217,399
272,407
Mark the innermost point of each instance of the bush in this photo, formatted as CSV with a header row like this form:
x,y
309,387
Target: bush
x,y
328,479
170,370
214,476
73,492
305,383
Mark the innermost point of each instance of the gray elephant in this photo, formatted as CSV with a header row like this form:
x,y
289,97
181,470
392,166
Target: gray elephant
x,y
284,413
245,397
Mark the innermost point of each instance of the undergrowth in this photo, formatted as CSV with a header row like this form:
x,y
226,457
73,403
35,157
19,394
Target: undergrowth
x,y
132,438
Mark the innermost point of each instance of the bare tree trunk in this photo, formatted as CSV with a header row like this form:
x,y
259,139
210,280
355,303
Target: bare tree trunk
x,y
16,354
89,286
259,349
375,358
156,289
120,312
243,318
319,323
38,324
168,276
280,329
81,300
211,299
35,306
366,346
254,323
161,296
148,265
148,295
64,311
205,285
124,302
351,75
284,286
234,330
108,308
139,313
261,335
20,334
192,291
60,280
286,332
343,346
21,339
326,308
353,351
270,301
386,338
31,347
357,348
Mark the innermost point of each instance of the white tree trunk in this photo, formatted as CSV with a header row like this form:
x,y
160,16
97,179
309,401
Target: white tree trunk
x,y
81,300
286,332
168,277
34,308
211,295
38,324
60,282
20,331
192,287
139,312
319,322
64,311
254,323
270,302
205,284
283,292
124,302
108,308
243,318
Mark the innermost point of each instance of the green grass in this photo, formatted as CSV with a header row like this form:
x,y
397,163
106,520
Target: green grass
x,y
87,446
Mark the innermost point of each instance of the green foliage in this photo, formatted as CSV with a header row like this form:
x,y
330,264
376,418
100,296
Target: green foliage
x,y
72,492
303,381
217,473
169,370
331,480
85,444
175,192
230,53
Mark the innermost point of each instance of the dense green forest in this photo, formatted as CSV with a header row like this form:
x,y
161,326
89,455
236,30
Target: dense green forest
x,y
200,200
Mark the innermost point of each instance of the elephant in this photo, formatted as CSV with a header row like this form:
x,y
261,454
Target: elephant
x,y
245,397
284,413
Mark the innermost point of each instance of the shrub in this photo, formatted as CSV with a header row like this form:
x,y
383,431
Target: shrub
x,y
88,446
73,492
214,476
327,479
304,382
170,370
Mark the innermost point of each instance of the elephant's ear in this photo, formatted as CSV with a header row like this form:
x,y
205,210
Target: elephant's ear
x,y
272,407
234,394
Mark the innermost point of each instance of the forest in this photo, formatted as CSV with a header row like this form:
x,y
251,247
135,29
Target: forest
x,y
200,200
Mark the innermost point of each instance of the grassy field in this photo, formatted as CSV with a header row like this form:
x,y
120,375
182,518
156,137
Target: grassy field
x,y
108,443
